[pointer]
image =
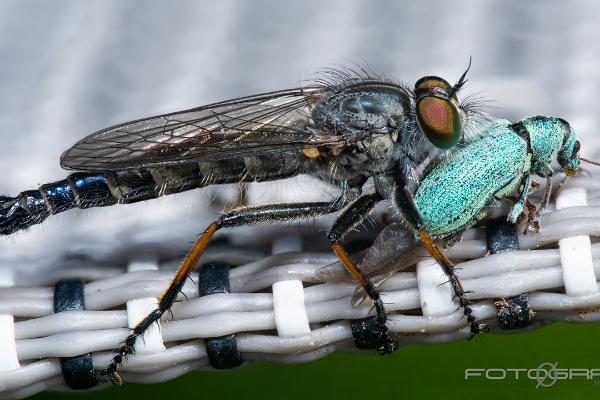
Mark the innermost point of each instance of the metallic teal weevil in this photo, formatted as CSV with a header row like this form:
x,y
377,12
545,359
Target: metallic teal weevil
x,y
455,195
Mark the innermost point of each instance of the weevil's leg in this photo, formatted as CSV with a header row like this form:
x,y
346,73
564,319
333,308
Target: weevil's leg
x,y
244,216
519,205
406,203
354,215
532,220
547,191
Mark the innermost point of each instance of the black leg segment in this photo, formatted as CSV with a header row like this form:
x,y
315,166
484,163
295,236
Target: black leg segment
x,y
354,215
244,216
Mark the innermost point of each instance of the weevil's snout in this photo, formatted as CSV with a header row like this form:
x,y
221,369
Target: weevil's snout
x,y
437,111
568,155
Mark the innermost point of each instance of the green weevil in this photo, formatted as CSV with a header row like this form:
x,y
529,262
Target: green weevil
x,y
457,192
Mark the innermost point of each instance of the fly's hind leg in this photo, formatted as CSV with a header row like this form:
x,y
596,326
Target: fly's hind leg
x,y
356,213
244,216
407,205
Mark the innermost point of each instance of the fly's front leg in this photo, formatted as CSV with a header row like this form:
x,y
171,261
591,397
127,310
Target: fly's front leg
x,y
356,213
244,216
406,203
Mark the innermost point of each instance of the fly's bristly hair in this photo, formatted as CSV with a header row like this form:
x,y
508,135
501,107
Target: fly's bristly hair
x,y
477,111
341,76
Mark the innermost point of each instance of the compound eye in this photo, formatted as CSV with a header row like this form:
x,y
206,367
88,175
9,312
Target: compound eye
x,y
439,119
576,148
432,82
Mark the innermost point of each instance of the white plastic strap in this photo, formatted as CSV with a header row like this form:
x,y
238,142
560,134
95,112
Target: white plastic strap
x,y
434,289
290,314
8,347
138,309
576,251
288,296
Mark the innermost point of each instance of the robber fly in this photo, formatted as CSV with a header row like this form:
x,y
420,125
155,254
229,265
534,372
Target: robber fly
x,y
344,129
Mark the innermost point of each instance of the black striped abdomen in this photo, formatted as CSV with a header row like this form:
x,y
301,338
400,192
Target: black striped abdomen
x,y
101,189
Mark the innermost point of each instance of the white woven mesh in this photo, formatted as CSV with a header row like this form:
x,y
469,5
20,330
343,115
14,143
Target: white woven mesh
x,y
40,336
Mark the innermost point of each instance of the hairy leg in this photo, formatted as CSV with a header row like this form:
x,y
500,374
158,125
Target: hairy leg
x,y
354,215
250,216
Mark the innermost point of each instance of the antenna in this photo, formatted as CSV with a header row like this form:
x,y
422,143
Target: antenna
x,y
590,161
461,80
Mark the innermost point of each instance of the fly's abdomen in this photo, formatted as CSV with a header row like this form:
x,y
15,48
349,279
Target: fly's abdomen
x,y
277,165
95,189
100,189
31,207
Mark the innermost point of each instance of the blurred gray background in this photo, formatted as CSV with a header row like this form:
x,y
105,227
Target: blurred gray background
x,y
69,68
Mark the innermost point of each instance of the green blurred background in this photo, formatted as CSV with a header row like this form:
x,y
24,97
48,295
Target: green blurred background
x,y
414,371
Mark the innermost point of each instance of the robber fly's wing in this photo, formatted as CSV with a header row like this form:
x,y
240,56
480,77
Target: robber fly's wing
x,y
242,127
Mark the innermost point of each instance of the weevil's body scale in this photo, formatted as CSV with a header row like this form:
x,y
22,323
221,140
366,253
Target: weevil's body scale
x,y
454,194
546,135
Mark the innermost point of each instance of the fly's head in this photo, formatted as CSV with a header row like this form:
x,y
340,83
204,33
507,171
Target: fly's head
x,y
438,110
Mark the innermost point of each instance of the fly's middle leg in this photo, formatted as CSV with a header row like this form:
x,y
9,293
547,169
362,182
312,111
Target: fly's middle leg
x,y
349,219
244,216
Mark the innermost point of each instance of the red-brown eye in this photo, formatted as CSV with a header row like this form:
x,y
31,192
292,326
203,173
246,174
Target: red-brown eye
x,y
437,111
431,82
439,120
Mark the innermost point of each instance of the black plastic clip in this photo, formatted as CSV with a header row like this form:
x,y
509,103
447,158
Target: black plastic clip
x,y
366,333
222,351
501,235
78,372
514,312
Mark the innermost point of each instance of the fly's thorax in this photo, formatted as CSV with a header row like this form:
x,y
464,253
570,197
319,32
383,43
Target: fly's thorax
x,y
370,156
547,135
361,108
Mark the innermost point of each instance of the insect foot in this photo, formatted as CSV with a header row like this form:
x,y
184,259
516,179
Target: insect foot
x,y
477,329
112,371
388,346
531,218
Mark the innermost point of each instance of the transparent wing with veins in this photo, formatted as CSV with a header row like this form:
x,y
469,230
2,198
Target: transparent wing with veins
x,y
240,127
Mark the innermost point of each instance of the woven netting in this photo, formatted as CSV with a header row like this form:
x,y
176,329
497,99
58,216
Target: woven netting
x,y
290,303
